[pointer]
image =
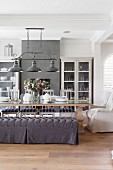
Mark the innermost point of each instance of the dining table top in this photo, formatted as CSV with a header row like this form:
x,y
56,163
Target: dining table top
x,y
42,103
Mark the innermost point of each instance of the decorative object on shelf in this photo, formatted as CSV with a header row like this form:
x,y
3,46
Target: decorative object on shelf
x,y
3,69
8,88
8,50
4,78
33,67
12,78
36,86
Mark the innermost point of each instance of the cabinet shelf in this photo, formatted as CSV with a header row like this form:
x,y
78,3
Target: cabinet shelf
x,y
83,81
69,81
70,90
68,71
3,71
83,91
83,71
5,91
8,81
82,100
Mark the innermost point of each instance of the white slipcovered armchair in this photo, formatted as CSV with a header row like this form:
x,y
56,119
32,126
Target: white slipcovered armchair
x,y
101,119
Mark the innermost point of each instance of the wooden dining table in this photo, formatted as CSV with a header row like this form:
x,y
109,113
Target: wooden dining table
x,y
78,107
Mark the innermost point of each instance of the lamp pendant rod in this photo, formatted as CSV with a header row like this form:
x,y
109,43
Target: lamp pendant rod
x,y
28,40
40,37
41,40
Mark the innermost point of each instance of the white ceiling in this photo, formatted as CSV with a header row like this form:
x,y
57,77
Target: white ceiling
x,y
85,19
56,6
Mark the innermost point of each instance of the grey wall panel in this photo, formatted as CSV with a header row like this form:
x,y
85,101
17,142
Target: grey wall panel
x,y
49,47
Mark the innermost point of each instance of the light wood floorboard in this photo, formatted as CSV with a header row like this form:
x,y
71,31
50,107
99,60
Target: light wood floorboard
x,y
92,153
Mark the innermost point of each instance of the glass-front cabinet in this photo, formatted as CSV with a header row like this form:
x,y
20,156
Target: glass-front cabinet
x,y
68,78
84,81
76,77
8,80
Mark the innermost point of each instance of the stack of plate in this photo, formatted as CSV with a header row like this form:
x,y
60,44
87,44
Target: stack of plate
x,y
61,99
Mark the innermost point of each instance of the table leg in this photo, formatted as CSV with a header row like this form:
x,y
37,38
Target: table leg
x,y
37,111
80,119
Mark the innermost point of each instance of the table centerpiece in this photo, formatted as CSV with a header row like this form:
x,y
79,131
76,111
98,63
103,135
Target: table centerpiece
x,y
36,86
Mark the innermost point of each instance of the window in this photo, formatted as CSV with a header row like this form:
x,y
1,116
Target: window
x,y
108,73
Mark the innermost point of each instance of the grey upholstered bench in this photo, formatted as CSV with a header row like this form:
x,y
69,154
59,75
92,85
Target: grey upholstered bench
x,y
38,130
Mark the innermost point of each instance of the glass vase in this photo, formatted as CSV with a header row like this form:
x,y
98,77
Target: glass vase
x,y
37,96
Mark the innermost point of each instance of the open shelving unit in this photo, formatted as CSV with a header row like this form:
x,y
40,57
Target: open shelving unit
x,y
6,62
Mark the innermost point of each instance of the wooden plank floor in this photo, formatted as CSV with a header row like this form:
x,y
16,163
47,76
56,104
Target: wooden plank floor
x,y
92,153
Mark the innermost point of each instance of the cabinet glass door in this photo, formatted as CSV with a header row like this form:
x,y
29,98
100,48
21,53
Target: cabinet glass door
x,y
83,81
69,77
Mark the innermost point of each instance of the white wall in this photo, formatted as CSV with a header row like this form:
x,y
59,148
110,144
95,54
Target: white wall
x,y
75,48
16,46
101,52
98,75
107,49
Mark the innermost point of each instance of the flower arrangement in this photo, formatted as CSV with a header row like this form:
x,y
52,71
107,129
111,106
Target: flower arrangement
x,y
36,85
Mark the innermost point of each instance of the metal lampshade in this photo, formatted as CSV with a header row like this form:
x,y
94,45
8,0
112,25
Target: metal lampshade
x,y
34,67
52,67
15,67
